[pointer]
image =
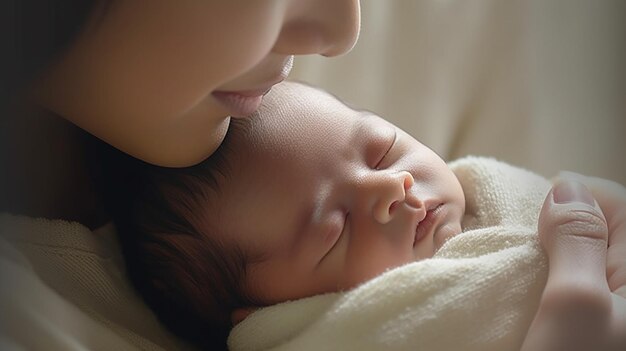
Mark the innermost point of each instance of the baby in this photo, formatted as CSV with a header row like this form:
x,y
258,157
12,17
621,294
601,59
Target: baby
x,y
318,201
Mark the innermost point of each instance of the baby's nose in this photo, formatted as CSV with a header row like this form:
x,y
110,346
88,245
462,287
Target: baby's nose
x,y
389,191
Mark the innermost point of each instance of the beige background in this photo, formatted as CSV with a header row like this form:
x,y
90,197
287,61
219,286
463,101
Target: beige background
x,y
537,83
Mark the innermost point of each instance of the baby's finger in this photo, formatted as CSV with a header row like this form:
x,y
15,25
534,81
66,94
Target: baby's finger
x,y
575,308
573,231
611,197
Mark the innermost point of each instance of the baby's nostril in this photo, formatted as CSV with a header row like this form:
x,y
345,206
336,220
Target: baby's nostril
x,y
393,206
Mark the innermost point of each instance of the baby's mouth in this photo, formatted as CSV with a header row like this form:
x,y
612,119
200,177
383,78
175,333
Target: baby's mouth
x,y
427,224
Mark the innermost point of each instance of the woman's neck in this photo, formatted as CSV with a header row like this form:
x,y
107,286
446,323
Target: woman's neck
x,y
44,167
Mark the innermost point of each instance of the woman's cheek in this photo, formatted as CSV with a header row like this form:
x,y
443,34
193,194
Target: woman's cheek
x,y
239,42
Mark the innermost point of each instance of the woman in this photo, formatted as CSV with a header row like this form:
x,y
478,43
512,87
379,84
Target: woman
x,y
160,81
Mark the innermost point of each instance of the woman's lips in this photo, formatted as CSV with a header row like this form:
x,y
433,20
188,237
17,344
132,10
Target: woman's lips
x,y
244,103
240,104
426,225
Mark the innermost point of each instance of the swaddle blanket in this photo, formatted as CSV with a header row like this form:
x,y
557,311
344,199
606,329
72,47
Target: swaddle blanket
x,y
479,292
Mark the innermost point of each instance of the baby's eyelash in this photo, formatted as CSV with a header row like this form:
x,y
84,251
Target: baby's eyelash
x,y
393,142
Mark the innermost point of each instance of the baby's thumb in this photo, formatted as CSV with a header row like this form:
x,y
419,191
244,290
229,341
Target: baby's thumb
x,y
574,234
575,308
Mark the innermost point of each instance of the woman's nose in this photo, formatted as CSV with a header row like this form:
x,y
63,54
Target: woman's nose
x,y
384,190
326,27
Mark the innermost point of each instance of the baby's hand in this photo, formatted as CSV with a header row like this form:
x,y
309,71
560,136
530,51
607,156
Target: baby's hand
x,y
611,197
577,310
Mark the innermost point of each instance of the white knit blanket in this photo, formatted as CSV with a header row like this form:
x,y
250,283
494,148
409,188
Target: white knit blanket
x,y
479,292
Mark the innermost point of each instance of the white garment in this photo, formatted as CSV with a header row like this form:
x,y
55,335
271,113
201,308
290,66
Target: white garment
x,y
64,288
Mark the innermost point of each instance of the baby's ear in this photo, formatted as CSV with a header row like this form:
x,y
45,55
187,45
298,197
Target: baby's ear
x,y
240,314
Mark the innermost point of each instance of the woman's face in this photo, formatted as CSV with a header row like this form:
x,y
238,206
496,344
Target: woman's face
x,y
159,79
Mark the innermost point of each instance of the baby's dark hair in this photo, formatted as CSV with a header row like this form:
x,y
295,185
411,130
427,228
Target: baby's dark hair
x,y
166,223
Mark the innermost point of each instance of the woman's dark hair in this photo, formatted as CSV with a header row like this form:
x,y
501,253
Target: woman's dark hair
x,y
181,264
35,33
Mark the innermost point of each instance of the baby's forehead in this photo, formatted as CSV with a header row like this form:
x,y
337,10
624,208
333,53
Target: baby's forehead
x,y
292,116
295,114
297,88
290,97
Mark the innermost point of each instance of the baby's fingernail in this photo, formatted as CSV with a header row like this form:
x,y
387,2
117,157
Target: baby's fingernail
x,y
566,191
570,175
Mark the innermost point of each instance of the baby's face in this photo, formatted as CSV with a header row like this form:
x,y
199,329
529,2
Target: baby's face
x,y
327,197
